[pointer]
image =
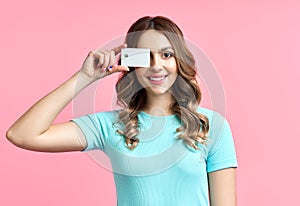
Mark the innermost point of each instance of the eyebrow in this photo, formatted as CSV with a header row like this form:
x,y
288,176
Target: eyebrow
x,y
166,48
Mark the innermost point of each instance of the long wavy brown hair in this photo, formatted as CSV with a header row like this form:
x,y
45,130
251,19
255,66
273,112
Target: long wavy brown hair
x,y
185,90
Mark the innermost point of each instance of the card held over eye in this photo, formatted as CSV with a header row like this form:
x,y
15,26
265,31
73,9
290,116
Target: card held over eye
x,y
135,57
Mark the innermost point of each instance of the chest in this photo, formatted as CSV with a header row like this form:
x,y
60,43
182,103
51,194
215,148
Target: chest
x,y
157,152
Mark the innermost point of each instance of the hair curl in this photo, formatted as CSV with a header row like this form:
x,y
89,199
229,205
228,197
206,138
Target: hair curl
x,y
185,90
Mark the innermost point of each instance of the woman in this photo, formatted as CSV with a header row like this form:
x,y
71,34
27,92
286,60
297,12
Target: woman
x,y
164,148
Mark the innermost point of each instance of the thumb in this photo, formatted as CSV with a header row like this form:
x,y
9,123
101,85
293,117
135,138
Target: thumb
x,y
117,68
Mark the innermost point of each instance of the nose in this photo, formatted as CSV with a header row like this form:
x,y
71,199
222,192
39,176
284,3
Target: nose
x,y
155,61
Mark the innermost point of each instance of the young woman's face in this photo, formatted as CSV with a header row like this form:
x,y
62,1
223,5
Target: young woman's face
x,y
163,69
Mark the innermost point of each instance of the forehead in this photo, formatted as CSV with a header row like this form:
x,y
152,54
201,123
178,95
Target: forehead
x,y
154,40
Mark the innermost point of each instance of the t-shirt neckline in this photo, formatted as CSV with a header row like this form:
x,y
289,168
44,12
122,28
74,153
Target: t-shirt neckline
x,y
158,117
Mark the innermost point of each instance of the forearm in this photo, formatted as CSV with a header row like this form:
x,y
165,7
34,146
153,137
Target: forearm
x,y
41,115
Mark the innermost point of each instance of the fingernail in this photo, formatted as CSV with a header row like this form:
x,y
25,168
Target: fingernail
x,y
109,68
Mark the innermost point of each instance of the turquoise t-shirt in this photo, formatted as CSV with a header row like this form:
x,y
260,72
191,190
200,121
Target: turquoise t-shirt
x,y
161,170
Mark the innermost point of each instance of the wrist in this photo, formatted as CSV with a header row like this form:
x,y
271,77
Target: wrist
x,y
81,80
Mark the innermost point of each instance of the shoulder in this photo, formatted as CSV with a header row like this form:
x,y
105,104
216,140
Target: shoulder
x,y
218,125
106,115
214,117
217,121
94,120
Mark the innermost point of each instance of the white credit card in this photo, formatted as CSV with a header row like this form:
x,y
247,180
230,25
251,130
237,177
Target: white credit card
x,y
135,57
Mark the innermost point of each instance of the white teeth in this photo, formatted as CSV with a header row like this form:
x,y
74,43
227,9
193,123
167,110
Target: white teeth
x,y
157,78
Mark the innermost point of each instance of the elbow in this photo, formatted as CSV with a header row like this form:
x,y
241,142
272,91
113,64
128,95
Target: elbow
x,y
12,137
9,135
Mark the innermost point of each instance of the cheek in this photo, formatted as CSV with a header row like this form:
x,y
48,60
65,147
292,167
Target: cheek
x,y
171,66
140,73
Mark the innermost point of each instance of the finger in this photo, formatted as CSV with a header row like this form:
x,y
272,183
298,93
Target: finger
x,y
116,68
106,60
100,57
109,69
119,68
123,68
117,49
112,58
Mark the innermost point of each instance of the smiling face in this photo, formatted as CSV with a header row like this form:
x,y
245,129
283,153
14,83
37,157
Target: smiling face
x,y
161,75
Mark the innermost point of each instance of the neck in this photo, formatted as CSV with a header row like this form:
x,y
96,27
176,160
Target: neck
x,y
158,105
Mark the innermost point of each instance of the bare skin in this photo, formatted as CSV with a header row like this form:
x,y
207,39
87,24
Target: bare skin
x,y
35,130
222,183
222,187
163,64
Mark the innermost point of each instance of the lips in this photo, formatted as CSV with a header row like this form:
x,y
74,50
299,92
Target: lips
x,y
157,79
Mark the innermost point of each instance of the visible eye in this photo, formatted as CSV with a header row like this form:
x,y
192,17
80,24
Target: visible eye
x,y
167,55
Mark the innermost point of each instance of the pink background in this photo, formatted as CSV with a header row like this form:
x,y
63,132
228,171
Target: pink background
x,y
254,46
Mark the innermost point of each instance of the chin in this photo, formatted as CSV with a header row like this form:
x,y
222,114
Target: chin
x,y
157,90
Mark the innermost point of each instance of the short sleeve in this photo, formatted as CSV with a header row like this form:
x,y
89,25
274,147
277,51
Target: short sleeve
x,y
222,152
91,128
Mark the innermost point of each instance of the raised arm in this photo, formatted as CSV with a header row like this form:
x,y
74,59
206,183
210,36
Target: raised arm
x,y
35,130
